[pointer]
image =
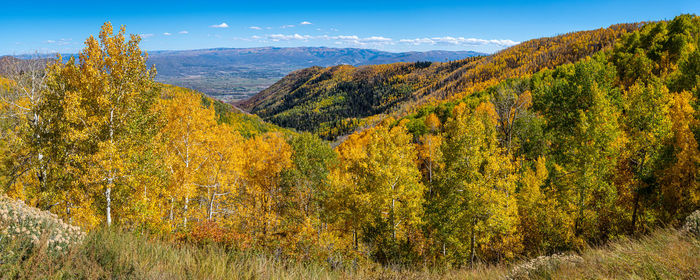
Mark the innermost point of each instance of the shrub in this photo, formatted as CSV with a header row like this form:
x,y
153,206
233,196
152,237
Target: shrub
x,y
692,223
542,266
22,223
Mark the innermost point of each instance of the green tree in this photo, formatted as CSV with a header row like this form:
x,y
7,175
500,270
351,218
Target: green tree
x,y
476,192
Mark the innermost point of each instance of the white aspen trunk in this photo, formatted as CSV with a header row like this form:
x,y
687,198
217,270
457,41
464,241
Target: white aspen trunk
x,y
187,201
110,180
108,196
393,214
211,205
430,173
393,220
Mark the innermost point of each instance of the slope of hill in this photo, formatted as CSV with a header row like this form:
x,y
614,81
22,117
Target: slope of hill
x,y
237,73
663,254
330,101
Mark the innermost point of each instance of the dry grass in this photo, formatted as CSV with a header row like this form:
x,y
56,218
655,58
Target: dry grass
x,y
663,254
108,254
105,254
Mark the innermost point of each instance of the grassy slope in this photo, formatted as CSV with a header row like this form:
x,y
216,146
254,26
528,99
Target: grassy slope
x,y
664,254
113,254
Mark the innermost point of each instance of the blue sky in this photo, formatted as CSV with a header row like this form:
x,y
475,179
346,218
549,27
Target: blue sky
x,y
487,26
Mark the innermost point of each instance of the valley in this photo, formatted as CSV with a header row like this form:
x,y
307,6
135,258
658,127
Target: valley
x,y
236,74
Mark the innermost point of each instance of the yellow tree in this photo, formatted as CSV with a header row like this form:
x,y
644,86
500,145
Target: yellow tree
x,y
349,202
103,97
383,183
267,156
221,173
429,147
679,188
187,130
544,225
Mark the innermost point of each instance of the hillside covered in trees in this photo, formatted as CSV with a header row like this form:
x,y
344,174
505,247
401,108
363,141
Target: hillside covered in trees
x,y
548,147
333,101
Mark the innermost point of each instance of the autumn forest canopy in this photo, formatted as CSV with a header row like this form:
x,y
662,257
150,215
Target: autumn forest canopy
x,y
548,146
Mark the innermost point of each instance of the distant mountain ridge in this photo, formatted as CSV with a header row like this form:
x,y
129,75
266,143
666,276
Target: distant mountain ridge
x,y
289,59
238,73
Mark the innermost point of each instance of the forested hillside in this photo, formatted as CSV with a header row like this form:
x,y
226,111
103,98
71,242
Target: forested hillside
x,y
333,101
596,141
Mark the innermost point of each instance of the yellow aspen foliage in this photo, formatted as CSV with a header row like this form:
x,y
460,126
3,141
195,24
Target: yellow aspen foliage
x,y
100,100
680,190
222,173
429,154
477,189
428,147
432,122
379,193
187,131
543,224
267,156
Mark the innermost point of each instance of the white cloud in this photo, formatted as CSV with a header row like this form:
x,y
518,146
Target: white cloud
x,y
183,32
222,25
147,35
448,40
344,37
376,39
255,27
418,41
384,41
305,23
287,26
340,39
60,42
283,37
357,40
167,34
